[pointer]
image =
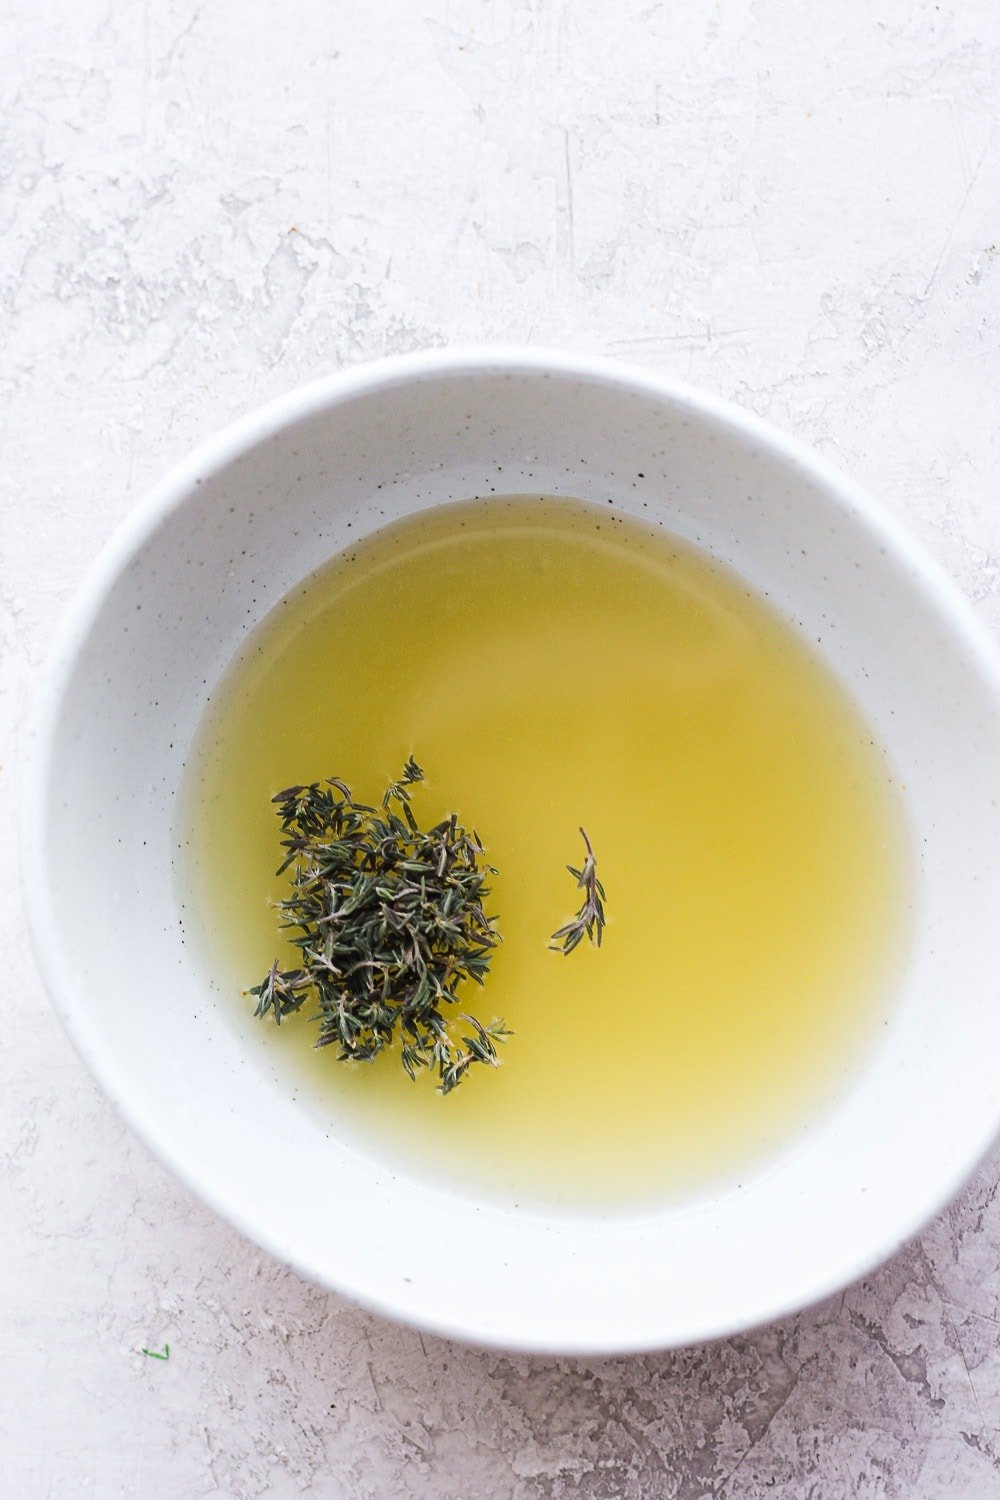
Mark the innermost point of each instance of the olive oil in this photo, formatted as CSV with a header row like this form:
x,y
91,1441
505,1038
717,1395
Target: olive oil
x,y
553,665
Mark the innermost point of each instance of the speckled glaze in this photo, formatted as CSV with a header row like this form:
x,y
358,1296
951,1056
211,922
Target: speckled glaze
x,y
213,548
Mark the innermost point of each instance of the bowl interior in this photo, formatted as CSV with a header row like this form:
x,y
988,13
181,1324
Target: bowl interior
x,y
214,549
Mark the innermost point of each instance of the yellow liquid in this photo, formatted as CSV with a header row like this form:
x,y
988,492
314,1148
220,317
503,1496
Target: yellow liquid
x,y
551,665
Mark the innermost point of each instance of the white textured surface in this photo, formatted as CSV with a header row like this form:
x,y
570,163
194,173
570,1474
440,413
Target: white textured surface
x,y
204,205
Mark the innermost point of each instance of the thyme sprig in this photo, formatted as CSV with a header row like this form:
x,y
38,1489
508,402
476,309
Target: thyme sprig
x,y
589,920
389,921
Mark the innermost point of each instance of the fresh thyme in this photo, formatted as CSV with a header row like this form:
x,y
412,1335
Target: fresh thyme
x,y
152,1354
389,921
589,920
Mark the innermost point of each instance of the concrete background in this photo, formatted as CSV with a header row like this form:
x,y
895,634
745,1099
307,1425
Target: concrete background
x,y
203,205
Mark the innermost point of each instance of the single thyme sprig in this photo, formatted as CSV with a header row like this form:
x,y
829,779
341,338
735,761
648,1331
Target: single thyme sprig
x,y
589,920
388,921
152,1354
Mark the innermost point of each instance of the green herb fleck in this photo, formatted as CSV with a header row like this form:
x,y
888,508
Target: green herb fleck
x,y
589,920
152,1353
389,921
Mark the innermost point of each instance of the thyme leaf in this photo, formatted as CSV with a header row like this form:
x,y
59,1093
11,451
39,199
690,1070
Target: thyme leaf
x,y
590,919
389,922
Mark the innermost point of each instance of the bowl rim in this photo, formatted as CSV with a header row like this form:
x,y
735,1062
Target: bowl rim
x,y
237,439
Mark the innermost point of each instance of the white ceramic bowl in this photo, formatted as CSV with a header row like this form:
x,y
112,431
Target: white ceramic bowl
x,y
206,555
